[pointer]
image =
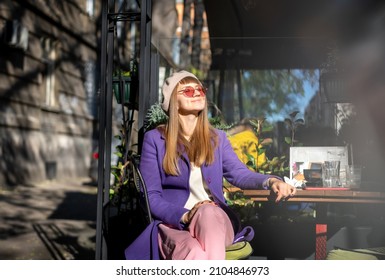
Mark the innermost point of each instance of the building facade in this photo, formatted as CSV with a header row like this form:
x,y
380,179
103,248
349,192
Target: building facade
x,y
48,88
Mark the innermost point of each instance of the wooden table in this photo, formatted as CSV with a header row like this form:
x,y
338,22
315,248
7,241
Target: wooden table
x,y
321,198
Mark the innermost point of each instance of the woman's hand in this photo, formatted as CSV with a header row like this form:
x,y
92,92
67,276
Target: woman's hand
x,y
283,190
190,214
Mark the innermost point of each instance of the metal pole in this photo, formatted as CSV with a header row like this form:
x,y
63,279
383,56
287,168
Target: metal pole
x,y
100,242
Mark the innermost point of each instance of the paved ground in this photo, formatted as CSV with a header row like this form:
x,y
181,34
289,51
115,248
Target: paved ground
x,y
49,220
57,220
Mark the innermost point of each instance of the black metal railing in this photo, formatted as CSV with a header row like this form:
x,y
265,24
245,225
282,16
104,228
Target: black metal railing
x,y
108,36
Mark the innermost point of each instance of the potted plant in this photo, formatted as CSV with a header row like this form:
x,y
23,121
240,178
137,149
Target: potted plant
x,y
120,191
125,85
124,219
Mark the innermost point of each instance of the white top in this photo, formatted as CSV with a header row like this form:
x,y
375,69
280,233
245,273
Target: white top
x,y
198,187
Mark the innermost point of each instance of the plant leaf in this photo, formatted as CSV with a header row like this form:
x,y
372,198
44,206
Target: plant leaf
x,y
299,121
267,141
288,122
119,154
267,128
288,140
293,114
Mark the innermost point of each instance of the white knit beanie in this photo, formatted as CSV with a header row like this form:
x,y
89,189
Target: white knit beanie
x,y
170,84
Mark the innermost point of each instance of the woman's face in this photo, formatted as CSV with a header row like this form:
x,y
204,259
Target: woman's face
x,y
191,98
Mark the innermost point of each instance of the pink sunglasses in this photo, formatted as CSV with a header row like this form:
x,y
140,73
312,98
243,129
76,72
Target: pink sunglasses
x,y
189,91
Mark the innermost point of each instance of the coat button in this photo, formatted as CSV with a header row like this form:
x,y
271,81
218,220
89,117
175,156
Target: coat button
x,y
209,180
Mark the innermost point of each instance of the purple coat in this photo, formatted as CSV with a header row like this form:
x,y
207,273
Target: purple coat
x,y
168,194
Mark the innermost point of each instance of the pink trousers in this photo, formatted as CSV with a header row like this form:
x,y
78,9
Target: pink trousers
x,y
209,233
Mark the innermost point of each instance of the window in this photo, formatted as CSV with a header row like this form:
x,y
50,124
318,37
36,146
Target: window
x,y
90,7
49,57
89,83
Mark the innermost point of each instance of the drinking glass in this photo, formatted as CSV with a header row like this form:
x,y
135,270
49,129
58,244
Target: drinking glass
x,y
353,176
331,173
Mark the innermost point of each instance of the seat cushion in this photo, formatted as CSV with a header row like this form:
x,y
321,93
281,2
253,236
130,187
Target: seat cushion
x,y
239,251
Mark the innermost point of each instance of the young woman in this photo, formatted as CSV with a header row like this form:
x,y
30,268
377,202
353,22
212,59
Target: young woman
x,y
183,164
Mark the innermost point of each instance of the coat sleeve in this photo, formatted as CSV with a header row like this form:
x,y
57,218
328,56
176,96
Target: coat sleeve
x,y
236,172
167,211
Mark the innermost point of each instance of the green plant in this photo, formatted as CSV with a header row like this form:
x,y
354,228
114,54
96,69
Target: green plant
x,y
154,117
217,122
119,192
125,84
121,71
293,125
244,206
276,165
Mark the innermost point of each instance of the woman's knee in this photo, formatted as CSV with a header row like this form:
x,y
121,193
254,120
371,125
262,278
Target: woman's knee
x,y
212,214
212,227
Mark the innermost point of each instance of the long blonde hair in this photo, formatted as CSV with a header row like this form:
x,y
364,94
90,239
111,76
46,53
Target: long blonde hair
x,y
200,148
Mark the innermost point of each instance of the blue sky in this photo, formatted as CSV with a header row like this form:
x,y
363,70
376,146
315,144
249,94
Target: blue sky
x,y
310,91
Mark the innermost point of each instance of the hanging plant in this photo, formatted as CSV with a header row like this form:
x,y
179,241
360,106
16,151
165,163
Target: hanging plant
x,y
125,85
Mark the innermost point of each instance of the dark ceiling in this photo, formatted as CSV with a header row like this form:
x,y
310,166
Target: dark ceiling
x,y
280,34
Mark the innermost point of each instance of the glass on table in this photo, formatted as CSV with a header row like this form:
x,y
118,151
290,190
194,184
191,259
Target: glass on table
x,y
331,173
353,176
